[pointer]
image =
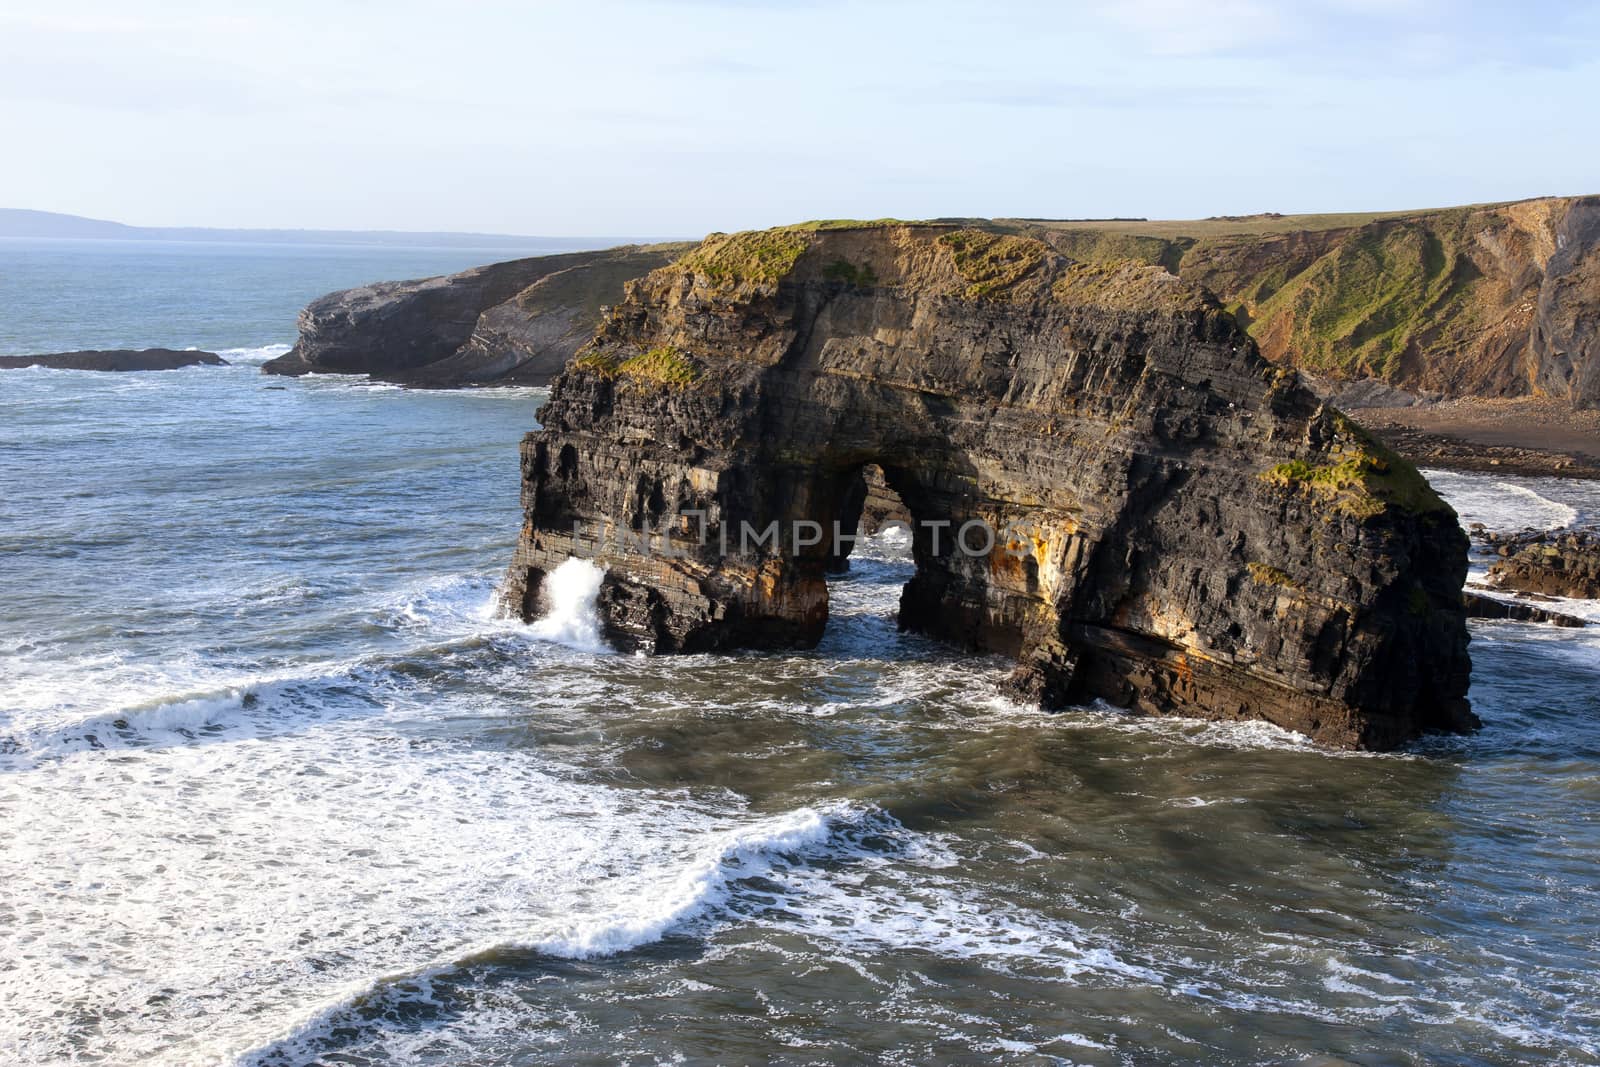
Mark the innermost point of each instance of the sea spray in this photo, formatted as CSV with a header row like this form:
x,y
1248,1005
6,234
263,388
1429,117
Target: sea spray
x,y
571,618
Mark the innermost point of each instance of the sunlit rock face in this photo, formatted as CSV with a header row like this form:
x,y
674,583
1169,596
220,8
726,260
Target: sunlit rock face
x,y
1105,481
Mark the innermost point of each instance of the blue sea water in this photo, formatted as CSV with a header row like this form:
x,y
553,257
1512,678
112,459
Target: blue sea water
x,y
66,295
277,787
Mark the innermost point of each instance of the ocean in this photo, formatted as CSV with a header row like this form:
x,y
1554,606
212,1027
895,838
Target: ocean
x,y
277,787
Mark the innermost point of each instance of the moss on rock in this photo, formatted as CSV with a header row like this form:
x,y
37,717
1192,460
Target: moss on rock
x,y
993,263
664,365
757,257
598,362
1357,310
842,270
1368,478
1268,575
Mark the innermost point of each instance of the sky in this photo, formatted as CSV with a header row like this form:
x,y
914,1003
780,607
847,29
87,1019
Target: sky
x,y
669,118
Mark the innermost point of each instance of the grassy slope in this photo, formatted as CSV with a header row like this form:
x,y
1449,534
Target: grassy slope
x,y
1412,298
1436,300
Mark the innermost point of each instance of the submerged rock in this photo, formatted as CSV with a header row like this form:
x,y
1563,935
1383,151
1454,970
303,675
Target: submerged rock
x,y
117,359
1487,607
507,323
1179,526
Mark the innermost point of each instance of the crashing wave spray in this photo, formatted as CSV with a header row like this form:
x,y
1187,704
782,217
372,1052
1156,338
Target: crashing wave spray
x,y
571,618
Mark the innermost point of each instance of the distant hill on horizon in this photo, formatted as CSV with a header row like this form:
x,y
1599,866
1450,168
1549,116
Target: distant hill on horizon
x,y
25,222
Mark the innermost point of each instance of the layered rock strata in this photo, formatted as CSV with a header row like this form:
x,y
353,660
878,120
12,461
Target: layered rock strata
x,y
507,323
1387,309
1179,526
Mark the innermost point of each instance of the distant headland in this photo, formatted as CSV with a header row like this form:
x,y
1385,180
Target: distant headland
x,y
24,222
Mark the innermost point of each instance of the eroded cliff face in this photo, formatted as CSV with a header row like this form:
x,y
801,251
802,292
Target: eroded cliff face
x,y
1182,527
1489,301
1498,300
513,322
1565,355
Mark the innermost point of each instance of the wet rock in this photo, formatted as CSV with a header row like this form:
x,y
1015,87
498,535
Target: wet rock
x,y
119,359
1180,527
1553,563
1480,606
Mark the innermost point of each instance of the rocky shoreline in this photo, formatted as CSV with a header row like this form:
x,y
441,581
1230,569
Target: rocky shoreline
x,y
1546,563
1530,436
1479,605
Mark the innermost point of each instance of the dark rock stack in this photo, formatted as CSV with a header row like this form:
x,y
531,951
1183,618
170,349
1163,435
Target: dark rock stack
x,y
117,359
1552,563
1181,527
508,323
1480,606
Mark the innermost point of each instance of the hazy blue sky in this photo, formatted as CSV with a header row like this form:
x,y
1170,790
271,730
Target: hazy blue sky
x,y
596,117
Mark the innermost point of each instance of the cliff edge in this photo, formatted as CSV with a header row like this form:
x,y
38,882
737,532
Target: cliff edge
x,y
516,322
1491,300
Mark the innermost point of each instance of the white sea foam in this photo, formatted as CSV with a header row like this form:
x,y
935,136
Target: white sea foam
x,y
571,618
188,714
739,854
253,355
1501,504
326,856
846,877
643,911
175,711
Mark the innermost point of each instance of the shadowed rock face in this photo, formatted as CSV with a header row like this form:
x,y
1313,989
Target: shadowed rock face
x,y
507,323
117,359
1183,528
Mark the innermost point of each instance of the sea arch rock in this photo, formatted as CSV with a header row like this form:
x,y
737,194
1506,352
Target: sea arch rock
x,y
1181,526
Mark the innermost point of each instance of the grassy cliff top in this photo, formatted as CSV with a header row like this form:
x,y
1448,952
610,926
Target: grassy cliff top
x,y
975,263
1262,224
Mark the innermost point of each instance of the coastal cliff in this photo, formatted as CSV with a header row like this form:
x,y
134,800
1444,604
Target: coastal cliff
x,y
516,322
1492,301
1179,526
1497,300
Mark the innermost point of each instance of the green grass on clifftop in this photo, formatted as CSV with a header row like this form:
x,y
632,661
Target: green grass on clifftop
x,y
1413,298
993,263
764,257
759,257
